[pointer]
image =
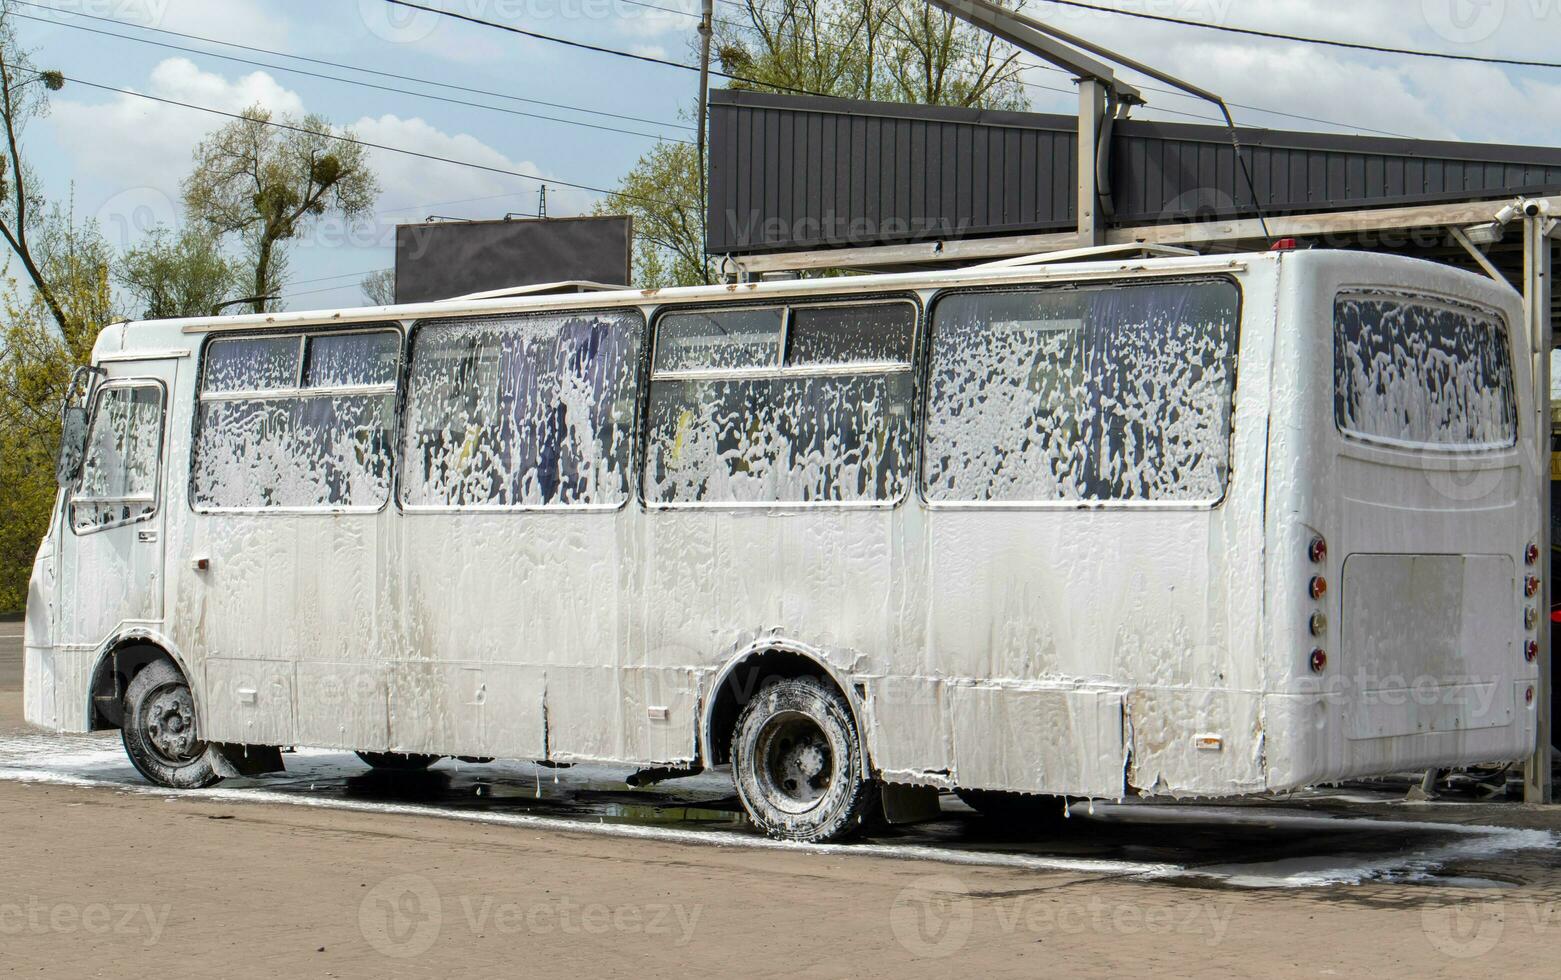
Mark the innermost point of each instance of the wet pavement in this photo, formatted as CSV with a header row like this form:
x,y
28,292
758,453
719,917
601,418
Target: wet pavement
x,y
1305,842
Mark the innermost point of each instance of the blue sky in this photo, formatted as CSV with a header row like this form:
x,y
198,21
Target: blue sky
x,y
123,157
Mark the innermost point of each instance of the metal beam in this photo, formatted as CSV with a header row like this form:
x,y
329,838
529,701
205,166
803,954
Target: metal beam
x,y
1537,272
1039,39
1194,233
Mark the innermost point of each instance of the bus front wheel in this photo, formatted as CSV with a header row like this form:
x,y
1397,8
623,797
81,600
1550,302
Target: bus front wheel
x,y
159,730
798,764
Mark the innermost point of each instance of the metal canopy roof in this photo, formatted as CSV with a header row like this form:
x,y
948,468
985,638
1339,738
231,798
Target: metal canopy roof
x,y
790,173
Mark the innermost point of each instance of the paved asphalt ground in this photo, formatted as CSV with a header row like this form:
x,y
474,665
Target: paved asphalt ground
x,y
332,873
10,655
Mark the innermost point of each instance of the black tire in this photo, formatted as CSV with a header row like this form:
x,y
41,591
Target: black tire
x,y
159,730
398,761
1015,809
797,760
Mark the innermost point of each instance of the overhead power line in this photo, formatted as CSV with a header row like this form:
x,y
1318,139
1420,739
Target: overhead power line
x,y
599,49
1329,42
1036,65
351,67
348,81
367,144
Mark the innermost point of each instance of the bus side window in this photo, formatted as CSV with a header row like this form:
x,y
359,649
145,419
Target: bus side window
x,y
815,410
119,474
1110,393
522,411
296,421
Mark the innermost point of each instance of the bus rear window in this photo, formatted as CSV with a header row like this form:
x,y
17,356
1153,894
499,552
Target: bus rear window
x,y
1422,374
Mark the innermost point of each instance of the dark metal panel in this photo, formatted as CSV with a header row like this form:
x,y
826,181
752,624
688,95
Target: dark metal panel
x,y
820,171
442,260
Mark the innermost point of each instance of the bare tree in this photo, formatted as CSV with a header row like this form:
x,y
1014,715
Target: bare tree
x,y
379,288
266,179
23,97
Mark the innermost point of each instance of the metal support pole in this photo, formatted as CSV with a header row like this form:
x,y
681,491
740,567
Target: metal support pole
x,y
1537,268
1092,105
706,28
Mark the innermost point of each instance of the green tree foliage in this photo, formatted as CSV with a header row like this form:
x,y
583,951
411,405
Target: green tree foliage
x,y
37,358
170,275
266,179
661,194
891,50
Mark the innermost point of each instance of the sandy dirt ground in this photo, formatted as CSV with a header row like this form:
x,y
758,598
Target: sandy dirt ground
x,y
105,882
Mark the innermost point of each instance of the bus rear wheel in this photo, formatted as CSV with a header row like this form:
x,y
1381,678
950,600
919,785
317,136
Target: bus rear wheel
x,y
798,764
159,730
398,761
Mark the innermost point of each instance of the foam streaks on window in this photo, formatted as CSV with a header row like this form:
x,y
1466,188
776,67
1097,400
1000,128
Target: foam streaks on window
x,y
1115,393
264,448
522,411
1421,374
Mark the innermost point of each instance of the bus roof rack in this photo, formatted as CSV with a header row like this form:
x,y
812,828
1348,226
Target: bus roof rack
x,y
541,289
1146,249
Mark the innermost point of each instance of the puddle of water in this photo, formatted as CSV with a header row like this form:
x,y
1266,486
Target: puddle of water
x,y
1248,845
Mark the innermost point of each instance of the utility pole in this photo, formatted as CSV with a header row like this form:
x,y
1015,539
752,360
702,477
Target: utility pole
x,y
706,18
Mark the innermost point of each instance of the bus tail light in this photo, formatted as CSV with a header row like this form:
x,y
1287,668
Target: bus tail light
x,y
1319,660
1317,551
1528,696
1283,245
1531,586
1319,623
1530,618
1318,587
1531,651
1531,554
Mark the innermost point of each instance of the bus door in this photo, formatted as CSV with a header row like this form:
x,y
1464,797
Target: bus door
x,y
111,552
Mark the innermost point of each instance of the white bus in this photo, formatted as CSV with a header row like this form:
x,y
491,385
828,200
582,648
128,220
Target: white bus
x,y
1188,526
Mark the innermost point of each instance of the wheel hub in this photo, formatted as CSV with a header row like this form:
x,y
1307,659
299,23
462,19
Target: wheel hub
x,y
798,763
170,725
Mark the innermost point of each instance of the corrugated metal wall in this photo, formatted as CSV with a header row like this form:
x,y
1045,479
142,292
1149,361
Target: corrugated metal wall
x,y
796,172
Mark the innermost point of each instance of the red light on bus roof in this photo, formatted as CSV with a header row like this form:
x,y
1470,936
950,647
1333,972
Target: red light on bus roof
x,y
1531,586
1531,555
1317,551
1319,660
1283,245
1318,587
1531,651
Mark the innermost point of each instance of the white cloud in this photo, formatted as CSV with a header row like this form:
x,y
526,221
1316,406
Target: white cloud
x,y
251,21
413,186
143,149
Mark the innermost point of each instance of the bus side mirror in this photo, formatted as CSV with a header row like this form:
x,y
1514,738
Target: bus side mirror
x,y
73,445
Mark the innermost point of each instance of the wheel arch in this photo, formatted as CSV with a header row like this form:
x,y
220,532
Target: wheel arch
x,y
746,671
124,655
